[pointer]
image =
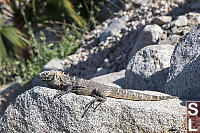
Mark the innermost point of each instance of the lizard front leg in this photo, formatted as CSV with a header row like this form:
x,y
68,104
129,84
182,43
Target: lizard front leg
x,y
63,91
66,89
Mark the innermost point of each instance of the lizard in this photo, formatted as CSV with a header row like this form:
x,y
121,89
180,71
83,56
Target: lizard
x,y
60,80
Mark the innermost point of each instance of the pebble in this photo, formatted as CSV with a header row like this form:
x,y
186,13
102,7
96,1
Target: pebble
x,y
162,20
181,21
110,50
197,19
174,39
177,30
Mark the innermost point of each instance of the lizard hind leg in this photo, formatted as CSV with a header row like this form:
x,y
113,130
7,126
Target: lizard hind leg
x,y
87,106
100,97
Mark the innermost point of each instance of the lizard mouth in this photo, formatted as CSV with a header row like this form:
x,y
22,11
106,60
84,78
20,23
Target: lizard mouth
x,y
45,76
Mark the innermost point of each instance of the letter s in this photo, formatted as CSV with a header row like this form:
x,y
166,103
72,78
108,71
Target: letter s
x,y
193,108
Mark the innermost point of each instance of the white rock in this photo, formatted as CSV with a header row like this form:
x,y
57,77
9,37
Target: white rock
x,y
114,28
197,19
162,20
181,21
140,2
148,36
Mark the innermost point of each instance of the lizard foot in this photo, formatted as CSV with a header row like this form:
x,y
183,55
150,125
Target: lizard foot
x,y
100,97
63,91
60,94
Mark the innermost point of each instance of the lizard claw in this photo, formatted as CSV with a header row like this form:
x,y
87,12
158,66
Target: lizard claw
x,y
97,98
87,106
100,100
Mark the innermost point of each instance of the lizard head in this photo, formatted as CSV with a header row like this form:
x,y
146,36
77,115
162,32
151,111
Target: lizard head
x,y
54,78
48,75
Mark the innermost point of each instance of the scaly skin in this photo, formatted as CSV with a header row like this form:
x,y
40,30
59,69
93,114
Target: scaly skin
x,y
59,80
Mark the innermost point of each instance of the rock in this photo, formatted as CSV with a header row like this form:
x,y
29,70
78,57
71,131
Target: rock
x,y
183,78
174,39
177,30
114,28
116,79
109,8
181,21
101,71
167,26
162,20
193,14
148,36
187,29
37,111
167,41
54,64
140,2
116,47
7,95
148,69
51,35
197,19
195,6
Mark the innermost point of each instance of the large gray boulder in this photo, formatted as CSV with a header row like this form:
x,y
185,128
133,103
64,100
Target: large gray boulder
x,y
184,74
148,69
148,36
38,111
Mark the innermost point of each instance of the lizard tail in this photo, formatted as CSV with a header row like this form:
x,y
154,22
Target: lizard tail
x,y
136,96
158,98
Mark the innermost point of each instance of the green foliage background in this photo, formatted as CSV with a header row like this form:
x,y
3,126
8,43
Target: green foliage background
x,y
18,40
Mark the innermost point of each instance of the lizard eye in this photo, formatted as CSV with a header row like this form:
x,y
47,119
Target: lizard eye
x,y
44,74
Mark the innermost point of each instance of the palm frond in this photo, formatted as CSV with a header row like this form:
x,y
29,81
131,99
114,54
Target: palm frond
x,y
71,11
11,40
